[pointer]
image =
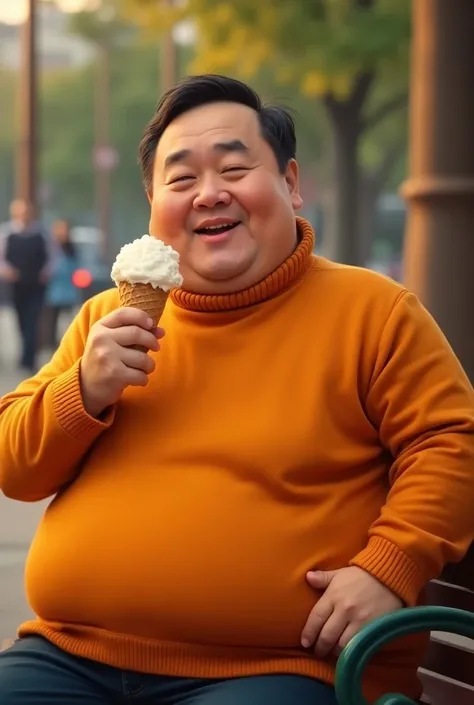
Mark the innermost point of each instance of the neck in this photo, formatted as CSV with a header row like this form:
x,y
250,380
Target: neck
x,y
281,279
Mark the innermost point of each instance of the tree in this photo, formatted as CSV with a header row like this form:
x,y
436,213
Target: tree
x,y
103,29
343,52
8,81
67,121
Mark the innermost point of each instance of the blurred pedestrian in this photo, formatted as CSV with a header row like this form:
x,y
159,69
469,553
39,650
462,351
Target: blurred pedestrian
x,y
61,293
24,264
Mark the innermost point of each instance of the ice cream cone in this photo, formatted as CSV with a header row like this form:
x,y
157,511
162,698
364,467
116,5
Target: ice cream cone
x,y
146,298
145,271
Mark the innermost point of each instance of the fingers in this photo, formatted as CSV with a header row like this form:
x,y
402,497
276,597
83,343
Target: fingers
x,y
137,360
158,333
328,629
127,336
318,617
350,631
134,378
320,579
125,316
330,635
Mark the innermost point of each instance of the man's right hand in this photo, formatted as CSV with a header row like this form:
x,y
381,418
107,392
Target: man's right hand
x,y
110,364
10,274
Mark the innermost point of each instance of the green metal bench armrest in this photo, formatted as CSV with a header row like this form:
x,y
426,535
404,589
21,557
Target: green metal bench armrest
x,y
373,637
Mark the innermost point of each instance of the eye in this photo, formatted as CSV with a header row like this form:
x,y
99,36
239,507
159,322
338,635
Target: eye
x,y
179,179
234,169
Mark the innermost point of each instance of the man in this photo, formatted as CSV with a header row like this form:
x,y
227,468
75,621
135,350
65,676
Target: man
x,y
230,509
24,264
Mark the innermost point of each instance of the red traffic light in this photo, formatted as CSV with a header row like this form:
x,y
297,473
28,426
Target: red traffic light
x,y
82,278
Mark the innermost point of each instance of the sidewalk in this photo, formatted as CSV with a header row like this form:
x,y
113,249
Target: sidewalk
x,y
18,521
10,376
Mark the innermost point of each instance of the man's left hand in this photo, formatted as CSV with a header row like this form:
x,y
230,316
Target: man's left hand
x,y
351,598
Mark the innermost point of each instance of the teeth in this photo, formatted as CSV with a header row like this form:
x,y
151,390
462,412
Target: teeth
x,y
210,229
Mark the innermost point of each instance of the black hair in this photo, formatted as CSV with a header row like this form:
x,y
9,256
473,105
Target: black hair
x,y
277,124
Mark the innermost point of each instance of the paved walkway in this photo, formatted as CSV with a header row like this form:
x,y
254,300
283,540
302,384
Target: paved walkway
x,y
18,521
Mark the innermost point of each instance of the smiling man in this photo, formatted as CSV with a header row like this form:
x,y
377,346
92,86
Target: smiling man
x,y
292,461
220,191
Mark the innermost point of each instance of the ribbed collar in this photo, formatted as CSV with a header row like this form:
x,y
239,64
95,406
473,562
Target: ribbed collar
x,y
275,283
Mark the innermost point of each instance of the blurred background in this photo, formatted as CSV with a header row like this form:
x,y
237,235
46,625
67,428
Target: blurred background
x,y
383,101
101,70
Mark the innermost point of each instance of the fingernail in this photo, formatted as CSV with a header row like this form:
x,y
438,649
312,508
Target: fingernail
x,y
149,322
305,643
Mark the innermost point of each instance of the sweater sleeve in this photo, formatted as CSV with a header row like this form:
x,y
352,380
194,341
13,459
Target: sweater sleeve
x,y
422,403
44,429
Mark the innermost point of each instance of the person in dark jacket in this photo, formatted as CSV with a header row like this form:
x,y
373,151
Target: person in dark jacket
x,y
25,264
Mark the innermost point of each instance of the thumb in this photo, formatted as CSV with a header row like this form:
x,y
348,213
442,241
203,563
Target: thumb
x,y
320,579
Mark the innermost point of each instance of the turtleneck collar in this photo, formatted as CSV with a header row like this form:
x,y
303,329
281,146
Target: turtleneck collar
x,y
281,279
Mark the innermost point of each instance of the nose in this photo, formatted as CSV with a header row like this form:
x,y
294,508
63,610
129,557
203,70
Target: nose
x,y
211,194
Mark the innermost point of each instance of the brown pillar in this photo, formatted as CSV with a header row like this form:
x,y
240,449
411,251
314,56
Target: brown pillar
x,y
168,57
168,61
439,250
26,176
103,150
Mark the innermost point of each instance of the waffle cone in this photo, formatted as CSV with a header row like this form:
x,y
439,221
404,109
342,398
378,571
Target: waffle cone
x,y
144,297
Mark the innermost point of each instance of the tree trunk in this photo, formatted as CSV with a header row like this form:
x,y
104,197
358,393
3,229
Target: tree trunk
x,y
346,119
346,175
370,188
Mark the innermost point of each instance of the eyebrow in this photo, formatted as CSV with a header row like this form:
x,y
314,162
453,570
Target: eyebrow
x,y
223,147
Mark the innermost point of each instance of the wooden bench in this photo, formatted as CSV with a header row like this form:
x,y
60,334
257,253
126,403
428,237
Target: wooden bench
x,y
448,672
447,675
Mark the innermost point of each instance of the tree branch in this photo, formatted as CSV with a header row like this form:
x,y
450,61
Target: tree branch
x,y
354,103
397,102
360,91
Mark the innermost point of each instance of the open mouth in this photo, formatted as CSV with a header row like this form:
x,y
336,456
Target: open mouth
x,y
217,229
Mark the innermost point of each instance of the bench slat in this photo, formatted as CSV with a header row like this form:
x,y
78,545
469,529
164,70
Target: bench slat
x,y
440,690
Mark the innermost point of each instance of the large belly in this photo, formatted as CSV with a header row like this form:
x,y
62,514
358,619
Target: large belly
x,y
211,562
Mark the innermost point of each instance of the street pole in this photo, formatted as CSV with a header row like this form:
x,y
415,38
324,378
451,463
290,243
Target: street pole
x,y
168,58
168,61
439,244
26,168
102,144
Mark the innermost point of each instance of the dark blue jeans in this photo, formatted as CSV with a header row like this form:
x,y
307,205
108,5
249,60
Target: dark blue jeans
x,y
28,303
34,672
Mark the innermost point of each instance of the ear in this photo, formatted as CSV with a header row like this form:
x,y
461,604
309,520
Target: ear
x,y
292,178
149,195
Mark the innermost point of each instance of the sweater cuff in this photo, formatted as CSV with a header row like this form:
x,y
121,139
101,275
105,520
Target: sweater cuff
x,y
393,568
69,409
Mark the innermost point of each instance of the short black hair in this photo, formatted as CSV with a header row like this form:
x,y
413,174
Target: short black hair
x,y
277,124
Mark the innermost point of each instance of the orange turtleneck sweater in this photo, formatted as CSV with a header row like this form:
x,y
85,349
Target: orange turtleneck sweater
x,y
317,420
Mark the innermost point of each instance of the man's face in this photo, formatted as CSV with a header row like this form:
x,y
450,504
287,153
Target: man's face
x,y
20,211
219,199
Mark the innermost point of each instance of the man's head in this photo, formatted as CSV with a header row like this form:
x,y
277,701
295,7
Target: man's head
x,y
220,173
21,211
61,231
